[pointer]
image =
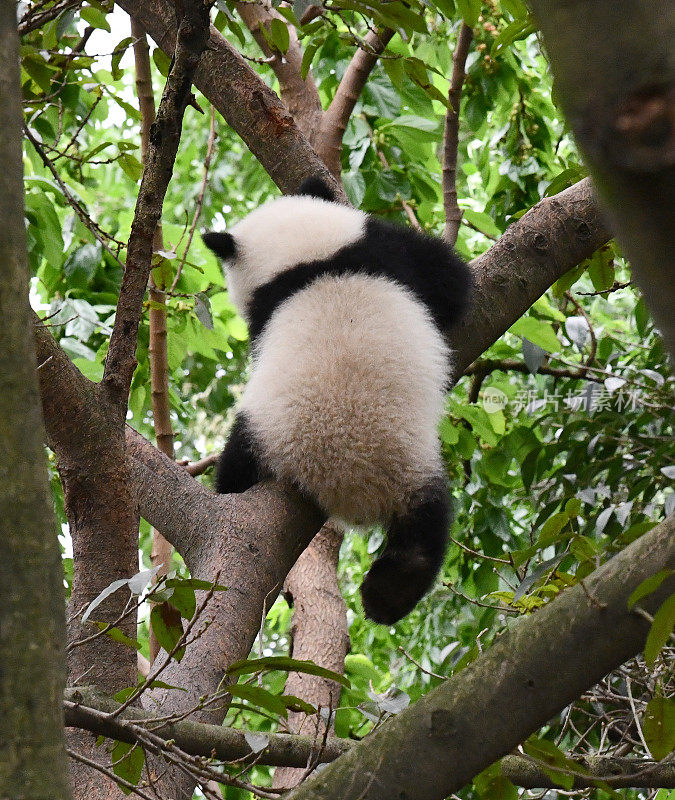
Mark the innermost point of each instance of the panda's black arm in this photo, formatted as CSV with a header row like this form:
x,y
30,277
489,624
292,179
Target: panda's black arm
x,y
238,467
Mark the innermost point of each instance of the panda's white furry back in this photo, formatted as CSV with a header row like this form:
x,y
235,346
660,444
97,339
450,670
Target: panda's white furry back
x,y
348,375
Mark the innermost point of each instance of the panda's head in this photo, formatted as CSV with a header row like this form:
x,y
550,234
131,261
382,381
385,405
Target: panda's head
x,y
282,234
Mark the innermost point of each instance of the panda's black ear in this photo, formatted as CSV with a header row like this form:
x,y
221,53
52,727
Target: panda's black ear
x,y
222,244
316,187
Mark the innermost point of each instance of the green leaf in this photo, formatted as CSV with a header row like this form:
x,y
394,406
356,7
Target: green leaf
x,y
95,18
648,586
551,529
116,635
446,8
641,316
81,265
162,61
660,631
480,423
287,665
165,622
259,697
131,166
520,29
516,8
357,664
658,726
482,221
470,11
90,369
128,760
448,432
183,599
194,583
601,270
203,310
278,31
538,332
119,51
294,703
307,58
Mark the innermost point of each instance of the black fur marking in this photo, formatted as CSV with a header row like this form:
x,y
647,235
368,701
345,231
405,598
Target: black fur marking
x,y
411,559
222,244
316,187
424,264
238,467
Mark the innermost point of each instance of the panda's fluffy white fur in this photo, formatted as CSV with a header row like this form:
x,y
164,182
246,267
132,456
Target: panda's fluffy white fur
x,y
348,375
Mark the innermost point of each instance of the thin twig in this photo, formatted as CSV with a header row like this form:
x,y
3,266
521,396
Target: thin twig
x,y
200,197
86,220
108,773
420,667
182,641
453,213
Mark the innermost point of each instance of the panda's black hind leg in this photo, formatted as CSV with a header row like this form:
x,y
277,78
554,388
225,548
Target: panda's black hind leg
x,y
412,557
239,466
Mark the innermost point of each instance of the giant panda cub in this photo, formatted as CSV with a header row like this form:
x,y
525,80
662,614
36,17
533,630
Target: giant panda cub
x,y
348,375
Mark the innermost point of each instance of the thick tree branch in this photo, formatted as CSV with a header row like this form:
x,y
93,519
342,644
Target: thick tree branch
x,y
453,213
300,97
248,105
622,110
334,123
542,664
193,31
88,709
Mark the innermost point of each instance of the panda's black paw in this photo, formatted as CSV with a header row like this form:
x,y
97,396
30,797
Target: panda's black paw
x,y
395,584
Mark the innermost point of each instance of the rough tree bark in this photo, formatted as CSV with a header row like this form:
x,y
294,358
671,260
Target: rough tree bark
x,y
615,72
319,633
530,673
33,761
535,251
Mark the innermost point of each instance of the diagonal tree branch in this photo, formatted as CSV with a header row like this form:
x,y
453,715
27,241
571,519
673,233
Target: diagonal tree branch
x,y
529,674
335,119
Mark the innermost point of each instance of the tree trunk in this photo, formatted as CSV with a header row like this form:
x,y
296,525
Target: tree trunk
x,y
33,761
613,63
320,634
